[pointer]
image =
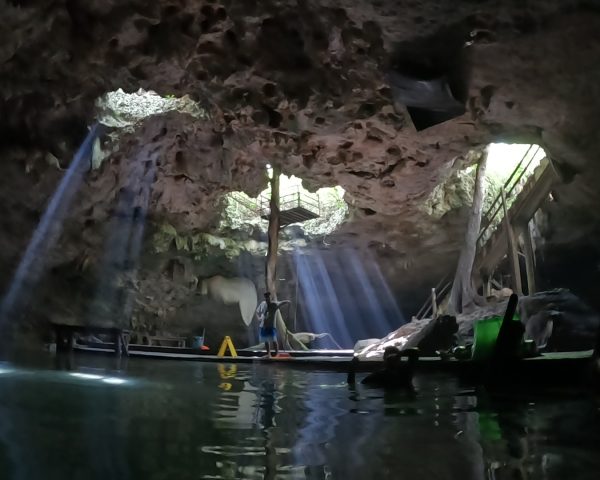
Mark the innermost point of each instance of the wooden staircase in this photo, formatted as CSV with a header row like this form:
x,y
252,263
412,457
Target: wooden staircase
x,y
504,223
492,241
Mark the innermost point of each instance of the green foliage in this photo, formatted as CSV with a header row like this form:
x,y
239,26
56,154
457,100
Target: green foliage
x,y
163,238
241,213
199,245
334,211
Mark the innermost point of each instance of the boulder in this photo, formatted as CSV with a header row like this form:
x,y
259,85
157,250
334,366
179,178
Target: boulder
x,y
558,320
428,335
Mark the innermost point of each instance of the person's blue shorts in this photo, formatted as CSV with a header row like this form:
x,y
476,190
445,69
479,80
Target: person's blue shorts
x,y
267,334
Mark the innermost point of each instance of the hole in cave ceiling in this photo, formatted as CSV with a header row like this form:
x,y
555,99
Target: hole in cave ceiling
x,y
120,109
326,203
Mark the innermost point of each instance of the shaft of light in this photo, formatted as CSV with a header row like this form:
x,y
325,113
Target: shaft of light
x,y
49,228
344,293
125,236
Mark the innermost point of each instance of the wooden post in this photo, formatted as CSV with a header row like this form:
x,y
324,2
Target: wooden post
x,y
513,256
273,235
509,336
434,307
70,341
63,341
117,341
529,259
487,284
272,247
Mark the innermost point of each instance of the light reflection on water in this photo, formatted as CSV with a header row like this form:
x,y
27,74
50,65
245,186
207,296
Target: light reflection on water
x,y
179,420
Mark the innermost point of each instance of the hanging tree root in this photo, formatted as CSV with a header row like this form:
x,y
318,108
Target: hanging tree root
x,y
288,339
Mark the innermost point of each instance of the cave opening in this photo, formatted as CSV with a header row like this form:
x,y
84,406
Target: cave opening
x,y
506,159
313,213
517,188
120,109
139,259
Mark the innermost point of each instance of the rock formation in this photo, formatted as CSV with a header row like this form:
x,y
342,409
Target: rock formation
x,y
559,321
307,83
237,291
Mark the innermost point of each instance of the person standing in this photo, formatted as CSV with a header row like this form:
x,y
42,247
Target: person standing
x,y
266,312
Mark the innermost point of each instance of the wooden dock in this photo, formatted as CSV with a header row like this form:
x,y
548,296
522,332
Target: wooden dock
x,y
65,337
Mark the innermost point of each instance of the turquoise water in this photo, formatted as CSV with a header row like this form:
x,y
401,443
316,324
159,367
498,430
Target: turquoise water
x,y
180,420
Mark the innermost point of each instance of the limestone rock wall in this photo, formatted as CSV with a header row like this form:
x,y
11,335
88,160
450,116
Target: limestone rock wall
x,y
305,84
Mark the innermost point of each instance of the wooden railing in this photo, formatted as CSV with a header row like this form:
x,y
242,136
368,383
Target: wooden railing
x,y
438,293
246,202
511,189
491,219
297,198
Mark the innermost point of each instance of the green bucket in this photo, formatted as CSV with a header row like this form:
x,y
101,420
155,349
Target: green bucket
x,y
485,335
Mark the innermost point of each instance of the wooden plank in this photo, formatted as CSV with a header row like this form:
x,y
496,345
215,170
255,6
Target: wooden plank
x,y
513,256
529,259
434,306
527,203
487,285
180,341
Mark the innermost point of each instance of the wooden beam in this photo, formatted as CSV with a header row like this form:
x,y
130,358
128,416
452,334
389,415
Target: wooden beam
x,y
513,256
529,259
487,285
434,307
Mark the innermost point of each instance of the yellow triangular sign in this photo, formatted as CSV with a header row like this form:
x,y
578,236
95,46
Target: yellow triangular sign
x,y
227,343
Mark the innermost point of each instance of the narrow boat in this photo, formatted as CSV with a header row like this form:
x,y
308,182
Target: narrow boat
x,y
547,368
323,359
501,363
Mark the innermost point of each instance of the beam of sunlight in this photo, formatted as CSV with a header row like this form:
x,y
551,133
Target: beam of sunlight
x,y
312,301
345,294
388,298
349,292
340,322
376,314
323,311
48,230
114,295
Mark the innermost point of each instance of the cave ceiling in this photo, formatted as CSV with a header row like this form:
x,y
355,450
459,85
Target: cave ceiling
x,y
305,84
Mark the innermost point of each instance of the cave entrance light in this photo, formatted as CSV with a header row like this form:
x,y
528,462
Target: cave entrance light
x,y
506,158
509,168
119,109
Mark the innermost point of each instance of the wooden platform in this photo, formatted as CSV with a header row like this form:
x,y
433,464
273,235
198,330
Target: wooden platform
x,y
294,207
294,215
337,360
551,369
65,341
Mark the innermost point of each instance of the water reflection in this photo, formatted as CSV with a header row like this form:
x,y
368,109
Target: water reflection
x,y
178,420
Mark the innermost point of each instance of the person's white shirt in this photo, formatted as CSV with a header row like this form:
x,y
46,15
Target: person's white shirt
x,y
261,311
